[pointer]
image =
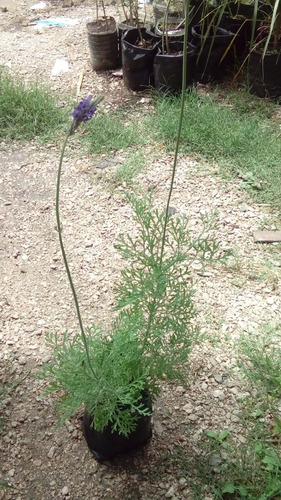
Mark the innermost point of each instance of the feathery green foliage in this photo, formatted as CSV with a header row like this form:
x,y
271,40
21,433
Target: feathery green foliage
x,y
151,338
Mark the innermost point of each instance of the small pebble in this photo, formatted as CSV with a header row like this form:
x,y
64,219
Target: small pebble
x,y
64,491
218,394
218,378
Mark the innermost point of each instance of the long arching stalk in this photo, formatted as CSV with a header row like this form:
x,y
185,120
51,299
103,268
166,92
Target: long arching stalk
x,y
59,229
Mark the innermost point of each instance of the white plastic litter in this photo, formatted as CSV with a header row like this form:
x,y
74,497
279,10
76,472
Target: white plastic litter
x,y
38,6
61,66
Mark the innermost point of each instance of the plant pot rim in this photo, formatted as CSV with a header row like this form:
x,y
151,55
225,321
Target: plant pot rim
x,y
220,33
191,49
170,32
144,49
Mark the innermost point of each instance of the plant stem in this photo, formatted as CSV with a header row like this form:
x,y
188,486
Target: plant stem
x,y
184,70
165,29
84,339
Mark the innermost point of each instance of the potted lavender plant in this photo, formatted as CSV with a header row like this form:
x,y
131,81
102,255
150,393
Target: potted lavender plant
x,y
116,375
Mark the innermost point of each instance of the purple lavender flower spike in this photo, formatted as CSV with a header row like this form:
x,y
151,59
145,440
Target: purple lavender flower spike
x,y
84,111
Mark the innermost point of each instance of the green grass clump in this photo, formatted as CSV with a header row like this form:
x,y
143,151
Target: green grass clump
x,y
260,361
244,143
27,110
114,132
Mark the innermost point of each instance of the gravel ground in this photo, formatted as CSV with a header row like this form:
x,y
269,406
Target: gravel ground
x,y
42,462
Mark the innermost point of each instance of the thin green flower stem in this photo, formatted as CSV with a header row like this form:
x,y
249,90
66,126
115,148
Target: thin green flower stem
x,y
184,70
84,339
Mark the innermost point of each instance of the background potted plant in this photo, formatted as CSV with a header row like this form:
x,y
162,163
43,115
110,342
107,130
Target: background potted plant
x,y
176,8
139,47
211,39
103,41
168,62
265,53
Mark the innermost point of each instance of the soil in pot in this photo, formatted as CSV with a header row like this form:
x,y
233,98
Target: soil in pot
x,y
103,44
106,445
137,58
265,74
167,68
211,49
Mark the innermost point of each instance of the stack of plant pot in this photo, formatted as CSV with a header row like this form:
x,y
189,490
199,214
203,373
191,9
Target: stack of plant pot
x,y
219,42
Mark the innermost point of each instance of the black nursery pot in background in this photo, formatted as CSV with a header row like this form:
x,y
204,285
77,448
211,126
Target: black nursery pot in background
x,y
167,68
211,49
103,44
106,445
265,74
124,26
242,29
137,60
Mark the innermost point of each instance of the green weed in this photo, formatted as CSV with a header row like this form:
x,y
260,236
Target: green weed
x,y
260,361
245,144
27,110
132,166
113,132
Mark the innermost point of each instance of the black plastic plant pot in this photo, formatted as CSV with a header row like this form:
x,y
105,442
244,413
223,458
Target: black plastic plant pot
x,y
137,60
124,26
246,10
167,68
265,74
103,44
242,29
211,50
107,445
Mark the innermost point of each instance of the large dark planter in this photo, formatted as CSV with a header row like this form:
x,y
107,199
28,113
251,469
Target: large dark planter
x,y
124,26
137,61
167,68
246,10
242,29
211,49
103,44
107,444
265,74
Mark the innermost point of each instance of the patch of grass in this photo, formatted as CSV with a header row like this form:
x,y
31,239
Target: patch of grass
x,y
260,360
110,132
233,467
249,471
27,110
244,143
133,165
